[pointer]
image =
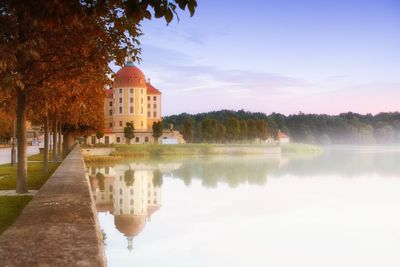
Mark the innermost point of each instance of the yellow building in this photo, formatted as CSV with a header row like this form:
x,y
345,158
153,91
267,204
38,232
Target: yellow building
x,y
133,99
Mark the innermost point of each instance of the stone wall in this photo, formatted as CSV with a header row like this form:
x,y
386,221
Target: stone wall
x,y
59,226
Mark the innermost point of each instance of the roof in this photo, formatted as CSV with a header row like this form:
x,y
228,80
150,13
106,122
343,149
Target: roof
x,y
108,131
151,90
129,76
109,93
129,225
282,135
151,209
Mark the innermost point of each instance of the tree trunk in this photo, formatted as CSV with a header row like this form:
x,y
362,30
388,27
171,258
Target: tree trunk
x,y
155,140
68,143
59,148
46,145
22,146
54,130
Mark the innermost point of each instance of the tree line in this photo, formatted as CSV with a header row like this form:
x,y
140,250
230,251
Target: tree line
x,y
239,126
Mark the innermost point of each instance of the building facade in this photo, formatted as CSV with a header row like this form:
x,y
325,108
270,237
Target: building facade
x,y
133,99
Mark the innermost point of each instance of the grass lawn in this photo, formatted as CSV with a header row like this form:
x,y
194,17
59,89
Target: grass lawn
x,y
36,176
297,148
10,208
39,157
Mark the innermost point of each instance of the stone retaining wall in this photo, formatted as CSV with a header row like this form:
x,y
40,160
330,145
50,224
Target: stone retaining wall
x,y
59,226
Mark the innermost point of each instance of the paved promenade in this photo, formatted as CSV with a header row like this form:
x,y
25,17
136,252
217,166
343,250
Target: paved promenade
x,y
59,226
5,153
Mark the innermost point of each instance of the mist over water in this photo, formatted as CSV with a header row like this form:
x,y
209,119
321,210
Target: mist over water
x,y
338,208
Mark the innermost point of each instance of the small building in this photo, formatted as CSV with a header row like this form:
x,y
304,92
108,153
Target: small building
x,y
283,138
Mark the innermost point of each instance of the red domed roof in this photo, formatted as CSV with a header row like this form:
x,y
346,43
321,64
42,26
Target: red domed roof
x,y
129,225
129,76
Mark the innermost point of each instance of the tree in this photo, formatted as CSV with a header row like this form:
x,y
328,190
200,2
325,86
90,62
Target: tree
x,y
232,129
244,132
157,178
262,133
220,133
157,130
129,131
208,129
38,46
99,135
187,130
129,177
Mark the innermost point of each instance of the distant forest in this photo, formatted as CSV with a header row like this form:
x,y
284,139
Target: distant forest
x,y
243,126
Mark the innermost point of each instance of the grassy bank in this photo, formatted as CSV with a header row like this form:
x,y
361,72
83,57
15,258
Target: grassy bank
x,y
10,208
36,176
297,148
148,151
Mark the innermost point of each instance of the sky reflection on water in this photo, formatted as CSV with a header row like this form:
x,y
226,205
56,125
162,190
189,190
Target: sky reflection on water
x,y
336,209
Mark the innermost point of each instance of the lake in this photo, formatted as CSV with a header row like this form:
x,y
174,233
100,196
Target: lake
x,y
339,208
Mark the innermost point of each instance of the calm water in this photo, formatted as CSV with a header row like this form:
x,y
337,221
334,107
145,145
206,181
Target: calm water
x,y
340,208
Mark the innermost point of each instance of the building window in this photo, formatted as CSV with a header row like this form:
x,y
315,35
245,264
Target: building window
x,y
148,114
141,124
148,98
131,100
120,191
106,139
155,105
107,171
93,140
142,109
155,114
120,123
110,125
110,103
131,90
120,91
154,98
142,100
120,100
131,191
148,105
131,201
110,112
120,201
131,109
137,139
141,91
146,139
118,139
120,110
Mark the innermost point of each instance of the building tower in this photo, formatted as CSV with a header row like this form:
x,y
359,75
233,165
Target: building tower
x,y
129,98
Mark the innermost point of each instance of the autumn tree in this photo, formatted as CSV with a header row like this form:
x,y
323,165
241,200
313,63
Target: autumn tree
x,y
129,131
157,130
45,41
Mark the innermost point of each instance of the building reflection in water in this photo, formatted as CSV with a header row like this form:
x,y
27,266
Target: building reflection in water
x,y
132,193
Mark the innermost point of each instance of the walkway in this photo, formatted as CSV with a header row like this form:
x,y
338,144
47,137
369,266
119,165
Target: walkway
x,y
59,226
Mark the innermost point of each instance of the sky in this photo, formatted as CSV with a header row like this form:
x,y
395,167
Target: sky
x,y
283,56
